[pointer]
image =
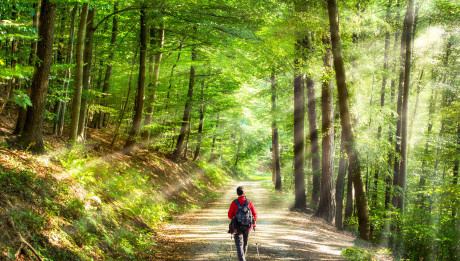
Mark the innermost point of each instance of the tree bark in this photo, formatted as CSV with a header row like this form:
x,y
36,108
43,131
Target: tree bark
x,y
88,61
340,186
59,127
275,136
139,103
187,109
33,52
299,123
326,209
313,136
405,108
76,103
108,71
200,126
32,137
154,77
345,120
397,159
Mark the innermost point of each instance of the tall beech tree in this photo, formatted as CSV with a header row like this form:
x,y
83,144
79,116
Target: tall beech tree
x,y
345,121
299,123
405,106
140,97
76,103
154,72
326,208
188,106
275,136
32,136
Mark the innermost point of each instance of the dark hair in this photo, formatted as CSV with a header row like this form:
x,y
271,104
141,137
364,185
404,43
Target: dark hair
x,y
240,191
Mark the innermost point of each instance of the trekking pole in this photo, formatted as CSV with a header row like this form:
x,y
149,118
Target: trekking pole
x,y
257,245
231,241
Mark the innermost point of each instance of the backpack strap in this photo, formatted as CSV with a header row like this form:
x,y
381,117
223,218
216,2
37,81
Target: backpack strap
x,y
237,202
246,204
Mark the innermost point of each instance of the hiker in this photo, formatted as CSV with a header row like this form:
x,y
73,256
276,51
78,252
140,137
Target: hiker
x,y
243,225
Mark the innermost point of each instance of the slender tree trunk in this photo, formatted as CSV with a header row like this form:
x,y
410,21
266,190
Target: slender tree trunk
x,y
397,160
455,174
139,103
326,208
125,105
59,128
76,103
32,137
350,203
405,108
33,51
154,80
188,138
414,114
382,103
313,136
88,61
340,186
345,120
275,138
108,71
188,105
299,123
200,127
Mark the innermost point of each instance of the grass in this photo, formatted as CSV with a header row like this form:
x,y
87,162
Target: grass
x,y
101,209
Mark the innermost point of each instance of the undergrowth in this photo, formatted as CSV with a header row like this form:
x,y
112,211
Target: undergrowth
x,y
101,209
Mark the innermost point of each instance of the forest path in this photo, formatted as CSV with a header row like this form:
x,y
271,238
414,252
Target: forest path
x,y
281,234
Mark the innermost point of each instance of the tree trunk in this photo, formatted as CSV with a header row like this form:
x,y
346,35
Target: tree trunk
x,y
405,108
275,137
32,137
125,105
345,120
200,127
108,71
154,79
76,103
139,103
33,51
340,185
187,109
299,123
188,138
87,60
397,159
326,209
59,128
313,136
382,102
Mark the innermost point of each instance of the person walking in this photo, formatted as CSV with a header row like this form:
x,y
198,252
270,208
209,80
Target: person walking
x,y
245,216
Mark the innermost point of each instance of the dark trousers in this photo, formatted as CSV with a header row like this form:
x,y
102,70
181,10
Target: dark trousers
x,y
241,242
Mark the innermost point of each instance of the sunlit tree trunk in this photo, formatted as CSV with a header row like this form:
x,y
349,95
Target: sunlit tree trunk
x,y
313,134
33,51
139,103
345,120
76,102
405,108
88,62
154,77
188,105
32,136
397,159
326,208
103,118
299,125
275,137
340,186
200,127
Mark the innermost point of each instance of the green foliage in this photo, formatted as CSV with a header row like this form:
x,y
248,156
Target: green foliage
x,y
21,99
356,254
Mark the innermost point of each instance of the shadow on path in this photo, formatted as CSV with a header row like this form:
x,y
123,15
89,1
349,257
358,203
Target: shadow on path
x,y
281,234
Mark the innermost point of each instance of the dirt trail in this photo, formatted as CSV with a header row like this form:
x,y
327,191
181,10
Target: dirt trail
x,y
281,234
